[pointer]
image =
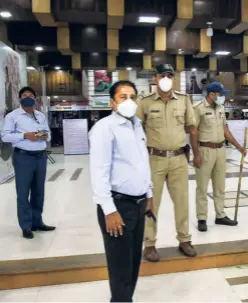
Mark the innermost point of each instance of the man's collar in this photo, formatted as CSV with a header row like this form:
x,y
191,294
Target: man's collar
x,y
22,111
121,120
207,104
173,96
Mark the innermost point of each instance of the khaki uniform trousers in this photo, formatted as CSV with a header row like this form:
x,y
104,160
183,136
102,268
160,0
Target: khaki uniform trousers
x,y
213,166
175,170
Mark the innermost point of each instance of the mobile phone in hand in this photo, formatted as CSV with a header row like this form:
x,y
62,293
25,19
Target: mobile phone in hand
x,y
150,214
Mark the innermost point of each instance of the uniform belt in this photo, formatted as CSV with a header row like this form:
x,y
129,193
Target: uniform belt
x,y
136,199
165,153
30,152
211,144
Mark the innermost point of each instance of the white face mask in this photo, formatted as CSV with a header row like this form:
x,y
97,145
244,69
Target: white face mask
x,y
127,108
220,100
165,84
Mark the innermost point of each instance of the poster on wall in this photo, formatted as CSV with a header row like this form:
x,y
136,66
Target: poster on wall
x,y
75,132
196,82
9,88
102,82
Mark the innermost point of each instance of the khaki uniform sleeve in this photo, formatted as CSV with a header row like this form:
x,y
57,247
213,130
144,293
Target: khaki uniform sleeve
x,y
197,116
140,111
190,115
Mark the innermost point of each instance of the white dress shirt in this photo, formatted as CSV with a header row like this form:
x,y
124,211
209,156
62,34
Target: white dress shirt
x,y
119,160
19,122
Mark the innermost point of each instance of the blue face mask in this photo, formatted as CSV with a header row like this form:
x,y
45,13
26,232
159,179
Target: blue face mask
x,y
220,100
27,102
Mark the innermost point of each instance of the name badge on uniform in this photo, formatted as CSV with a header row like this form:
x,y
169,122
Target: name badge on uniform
x,y
208,114
155,111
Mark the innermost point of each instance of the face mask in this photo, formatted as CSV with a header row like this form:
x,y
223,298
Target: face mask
x,y
27,102
220,100
127,108
165,84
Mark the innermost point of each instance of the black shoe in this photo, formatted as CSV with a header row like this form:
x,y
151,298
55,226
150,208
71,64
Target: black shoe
x,y
27,233
226,221
43,227
202,225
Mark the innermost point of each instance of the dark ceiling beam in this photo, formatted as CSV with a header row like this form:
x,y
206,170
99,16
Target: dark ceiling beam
x,y
184,14
205,45
244,53
43,12
242,25
116,12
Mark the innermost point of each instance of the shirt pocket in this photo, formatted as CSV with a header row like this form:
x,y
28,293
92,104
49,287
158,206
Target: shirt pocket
x,y
209,119
179,115
155,120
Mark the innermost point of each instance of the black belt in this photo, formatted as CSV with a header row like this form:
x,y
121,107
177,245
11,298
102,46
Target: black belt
x,y
136,199
37,153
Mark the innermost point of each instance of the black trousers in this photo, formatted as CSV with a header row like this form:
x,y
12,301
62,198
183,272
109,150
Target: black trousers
x,y
124,253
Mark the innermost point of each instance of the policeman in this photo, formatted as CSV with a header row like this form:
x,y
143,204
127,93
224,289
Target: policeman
x,y
212,132
165,115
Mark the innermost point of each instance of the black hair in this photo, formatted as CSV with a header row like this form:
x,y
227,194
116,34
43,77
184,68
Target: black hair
x,y
27,89
115,86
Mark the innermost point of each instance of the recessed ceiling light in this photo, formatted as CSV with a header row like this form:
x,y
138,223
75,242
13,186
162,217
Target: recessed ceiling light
x,y
63,100
5,14
57,67
95,54
39,48
30,68
143,19
231,100
129,68
222,53
193,69
55,97
135,50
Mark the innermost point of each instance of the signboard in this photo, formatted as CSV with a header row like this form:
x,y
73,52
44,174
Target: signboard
x,y
237,128
75,132
68,108
100,101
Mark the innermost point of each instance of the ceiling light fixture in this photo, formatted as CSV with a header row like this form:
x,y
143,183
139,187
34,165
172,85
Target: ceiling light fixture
x,y
57,67
30,68
55,97
129,68
222,53
209,31
39,48
193,69
135,50
63,100
143,19
5,14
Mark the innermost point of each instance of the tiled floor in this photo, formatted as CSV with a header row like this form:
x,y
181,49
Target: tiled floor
x,y
69,206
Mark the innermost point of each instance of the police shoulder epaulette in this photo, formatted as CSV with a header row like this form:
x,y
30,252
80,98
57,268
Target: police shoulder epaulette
x,y
148,95
180,93
196,104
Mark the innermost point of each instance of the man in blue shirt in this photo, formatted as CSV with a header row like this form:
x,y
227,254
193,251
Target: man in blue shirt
x,y
27,130
121,183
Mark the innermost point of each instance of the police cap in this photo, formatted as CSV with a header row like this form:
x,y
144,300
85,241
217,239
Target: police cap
x,y
165,68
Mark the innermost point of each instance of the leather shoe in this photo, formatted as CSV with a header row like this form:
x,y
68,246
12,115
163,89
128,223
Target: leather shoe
x,y
27,233
43,227
202,225
226,221
151,254
187,249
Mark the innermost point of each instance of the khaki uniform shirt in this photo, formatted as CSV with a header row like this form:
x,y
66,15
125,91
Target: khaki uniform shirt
x,y
211,122
165,122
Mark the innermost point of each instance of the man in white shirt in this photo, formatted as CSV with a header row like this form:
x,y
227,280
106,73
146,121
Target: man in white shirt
x,y
121,183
